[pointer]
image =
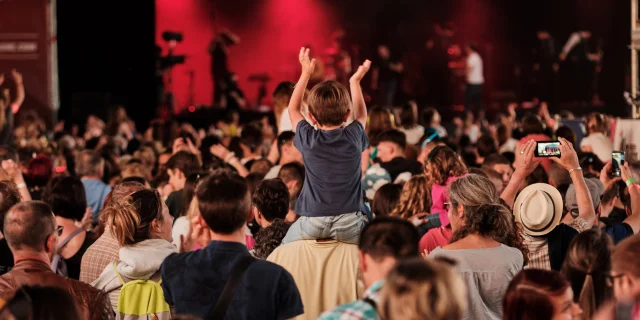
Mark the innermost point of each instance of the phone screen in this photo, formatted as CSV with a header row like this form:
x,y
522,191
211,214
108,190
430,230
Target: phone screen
x,y
548,149
618,160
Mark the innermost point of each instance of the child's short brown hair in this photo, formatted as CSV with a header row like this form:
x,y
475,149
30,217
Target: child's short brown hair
x,y
329,102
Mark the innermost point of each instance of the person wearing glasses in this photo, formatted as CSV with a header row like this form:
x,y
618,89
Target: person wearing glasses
x,y
32,235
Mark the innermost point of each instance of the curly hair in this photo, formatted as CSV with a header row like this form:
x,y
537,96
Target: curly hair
x,y
485,213
271,198
269,238
443,163
414,199
9,196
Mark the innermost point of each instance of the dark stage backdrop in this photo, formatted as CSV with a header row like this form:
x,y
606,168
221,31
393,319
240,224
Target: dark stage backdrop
x,y
25,46
272,32
106,57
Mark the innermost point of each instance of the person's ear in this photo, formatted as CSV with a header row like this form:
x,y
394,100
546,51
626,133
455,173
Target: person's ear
x,y
155,226
201,221
179,173
312,118
51,243
347,116
363,261
291,185
460,211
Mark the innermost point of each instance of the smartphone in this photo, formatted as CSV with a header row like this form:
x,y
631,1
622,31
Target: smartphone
x,y
547,149
617,161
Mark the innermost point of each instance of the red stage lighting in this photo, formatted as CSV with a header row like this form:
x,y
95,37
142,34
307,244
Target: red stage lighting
x,y
192,109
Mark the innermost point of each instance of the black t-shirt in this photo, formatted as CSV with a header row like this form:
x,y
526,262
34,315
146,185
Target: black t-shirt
x,y
219,64
6,257
174,203
193,282
399,165
73,263
385,72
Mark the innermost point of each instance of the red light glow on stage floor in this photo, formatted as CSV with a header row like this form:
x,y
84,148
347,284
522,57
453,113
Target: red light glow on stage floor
x,y
271,32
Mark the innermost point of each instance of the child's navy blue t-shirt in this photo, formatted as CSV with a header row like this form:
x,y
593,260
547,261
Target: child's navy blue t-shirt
x,y
332,161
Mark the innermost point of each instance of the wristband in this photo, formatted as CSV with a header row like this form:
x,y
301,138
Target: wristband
x,y
229,156
575,169
232,160
630,181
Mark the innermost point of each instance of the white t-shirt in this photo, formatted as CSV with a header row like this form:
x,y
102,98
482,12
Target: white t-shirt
x,y
414,134
474,69
285,121
180,227
600,144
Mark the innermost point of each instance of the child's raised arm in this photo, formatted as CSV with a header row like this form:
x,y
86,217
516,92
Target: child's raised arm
x,y
295,104
359,107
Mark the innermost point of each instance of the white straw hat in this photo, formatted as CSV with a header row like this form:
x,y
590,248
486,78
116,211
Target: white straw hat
x,y
538,208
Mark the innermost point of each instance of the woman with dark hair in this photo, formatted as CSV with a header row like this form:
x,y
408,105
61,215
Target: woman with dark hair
x,y
386,199
182,225
409,122
41,303
380,120
586,266
539,294
486,245
67,199
141,224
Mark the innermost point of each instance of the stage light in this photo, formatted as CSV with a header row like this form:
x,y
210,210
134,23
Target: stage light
x,y
192,109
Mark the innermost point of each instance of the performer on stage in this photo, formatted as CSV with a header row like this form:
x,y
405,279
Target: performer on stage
x,y
583,58
475,78
219,51
386,75
545,66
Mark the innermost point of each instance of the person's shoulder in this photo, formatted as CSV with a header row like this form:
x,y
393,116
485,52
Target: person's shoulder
x,y
357,310
177,262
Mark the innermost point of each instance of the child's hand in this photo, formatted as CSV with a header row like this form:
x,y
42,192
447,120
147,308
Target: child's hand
x,y
307,64
362,70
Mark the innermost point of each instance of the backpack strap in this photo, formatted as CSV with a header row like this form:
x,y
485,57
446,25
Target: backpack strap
x,y
117,273
68,238
224,301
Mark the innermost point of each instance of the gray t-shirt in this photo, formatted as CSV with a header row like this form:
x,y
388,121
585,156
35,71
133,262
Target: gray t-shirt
x,y
487,273
332,161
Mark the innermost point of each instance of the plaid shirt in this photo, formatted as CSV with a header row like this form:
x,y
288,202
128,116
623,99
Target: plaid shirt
x,y
539,249
100,254
357,310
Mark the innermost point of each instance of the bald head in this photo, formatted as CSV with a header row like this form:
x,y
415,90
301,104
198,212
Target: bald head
x,y
27,226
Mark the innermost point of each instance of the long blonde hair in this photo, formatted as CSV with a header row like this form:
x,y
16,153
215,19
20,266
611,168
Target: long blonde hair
x,y
423,289
414,199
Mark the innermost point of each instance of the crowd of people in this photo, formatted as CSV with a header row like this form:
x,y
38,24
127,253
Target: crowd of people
x,y
339,211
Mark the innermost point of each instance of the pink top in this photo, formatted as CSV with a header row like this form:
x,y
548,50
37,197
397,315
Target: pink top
x,y
436,237
249,241
546,163
439,196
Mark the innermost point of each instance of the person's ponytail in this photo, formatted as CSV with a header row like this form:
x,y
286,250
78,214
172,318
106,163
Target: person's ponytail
x,y
130,218
123,219
587,299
